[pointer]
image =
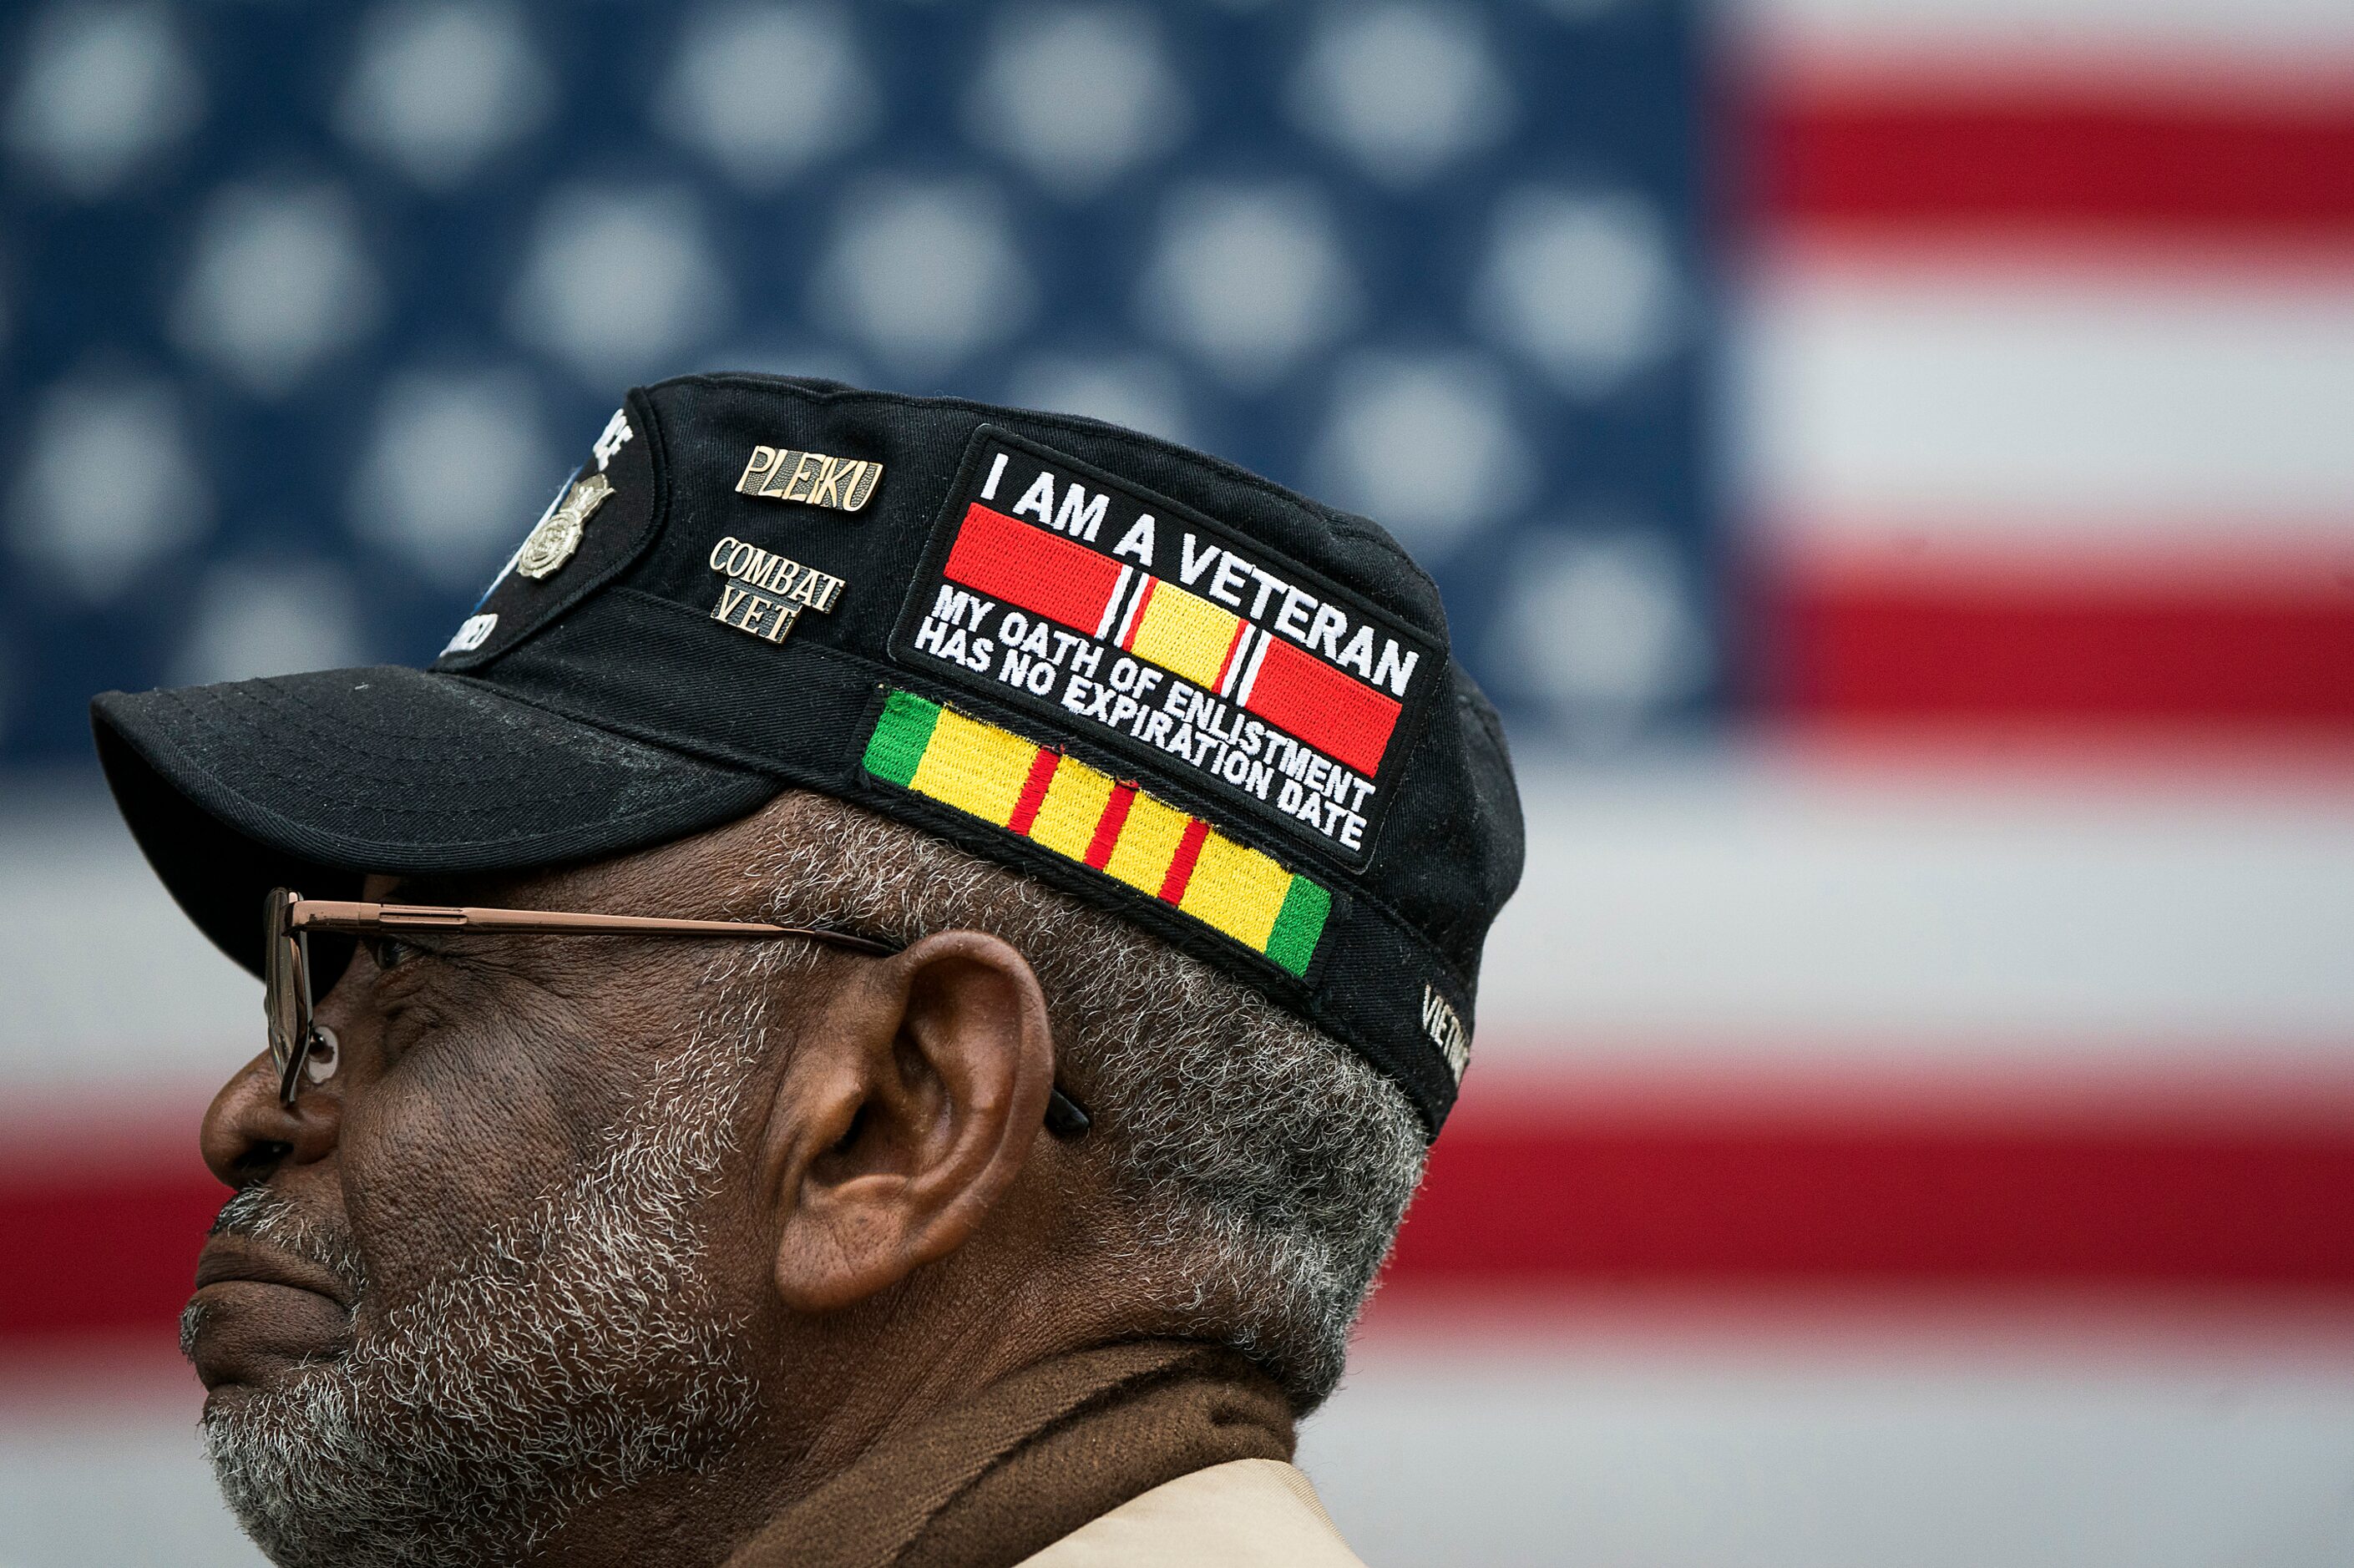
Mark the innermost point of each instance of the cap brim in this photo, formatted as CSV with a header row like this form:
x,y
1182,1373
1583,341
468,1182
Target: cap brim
x,y
309,781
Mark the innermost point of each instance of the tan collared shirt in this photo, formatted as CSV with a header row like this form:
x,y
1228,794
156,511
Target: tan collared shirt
x,y
1246,1513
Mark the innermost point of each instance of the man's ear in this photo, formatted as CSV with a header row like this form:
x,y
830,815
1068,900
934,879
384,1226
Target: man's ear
x,y
910,1102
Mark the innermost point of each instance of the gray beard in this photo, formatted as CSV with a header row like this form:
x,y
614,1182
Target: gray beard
x,y
581,1350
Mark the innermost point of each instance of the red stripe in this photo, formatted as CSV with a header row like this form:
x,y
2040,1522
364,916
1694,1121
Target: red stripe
x,y
1033,790
1180,865
1043,573
1242,629
1108,826
1531,1185
1136,612
1874,649
113,1249
1614,1196
1930,156
1300,693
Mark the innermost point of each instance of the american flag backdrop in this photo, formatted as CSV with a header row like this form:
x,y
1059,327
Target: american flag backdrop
x,y
1892,459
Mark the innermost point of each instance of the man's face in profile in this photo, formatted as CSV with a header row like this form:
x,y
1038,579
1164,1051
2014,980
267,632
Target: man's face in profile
x,y
480,1286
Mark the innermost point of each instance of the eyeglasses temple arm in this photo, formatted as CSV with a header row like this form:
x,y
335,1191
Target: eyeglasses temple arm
x,y
333,914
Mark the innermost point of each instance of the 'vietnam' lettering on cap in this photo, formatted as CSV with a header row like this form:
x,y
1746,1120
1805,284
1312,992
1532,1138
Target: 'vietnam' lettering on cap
x,y
1164,685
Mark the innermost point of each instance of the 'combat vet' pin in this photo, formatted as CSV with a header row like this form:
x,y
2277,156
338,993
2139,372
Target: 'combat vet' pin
x,y
765,593
780,474
558,534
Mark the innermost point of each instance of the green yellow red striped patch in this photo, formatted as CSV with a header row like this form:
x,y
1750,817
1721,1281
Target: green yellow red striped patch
x,y
1066,806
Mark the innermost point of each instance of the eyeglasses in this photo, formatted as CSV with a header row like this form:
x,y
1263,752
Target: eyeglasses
x,y
288,918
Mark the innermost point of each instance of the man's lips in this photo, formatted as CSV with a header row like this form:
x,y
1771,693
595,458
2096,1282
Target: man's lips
x,y
228,1260
260,1312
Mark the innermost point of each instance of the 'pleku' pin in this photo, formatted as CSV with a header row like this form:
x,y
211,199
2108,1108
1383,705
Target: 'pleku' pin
x,y
780,474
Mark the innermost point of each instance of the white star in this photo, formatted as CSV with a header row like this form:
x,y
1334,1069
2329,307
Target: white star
x,y
456,468
1077,94
768,89
104,88
1404,88
441,85
619,284
924,273
277,619
1249,278
109,482
1425,445
1599,622
1585,284
1134,390
279,284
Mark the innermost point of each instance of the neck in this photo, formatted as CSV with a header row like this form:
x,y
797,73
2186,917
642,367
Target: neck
x,y
859,1381
998,1479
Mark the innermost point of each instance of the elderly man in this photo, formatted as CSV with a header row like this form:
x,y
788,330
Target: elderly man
x,y
881,1003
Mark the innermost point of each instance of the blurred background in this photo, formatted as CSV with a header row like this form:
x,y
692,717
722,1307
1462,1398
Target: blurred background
x,y
1892,459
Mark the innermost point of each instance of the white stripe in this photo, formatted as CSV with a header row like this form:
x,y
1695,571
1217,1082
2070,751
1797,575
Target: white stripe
x,y
100,1491
1506,1454
106,981
1111,607
2285,31
1766,913
1243,687
2033,410
1135,603
1242,658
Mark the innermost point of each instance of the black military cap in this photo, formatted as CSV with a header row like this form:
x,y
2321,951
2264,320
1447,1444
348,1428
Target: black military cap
x,y
1160,683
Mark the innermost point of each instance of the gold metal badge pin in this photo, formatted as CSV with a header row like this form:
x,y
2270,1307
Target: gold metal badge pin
x,y
765,593
780,474
558,534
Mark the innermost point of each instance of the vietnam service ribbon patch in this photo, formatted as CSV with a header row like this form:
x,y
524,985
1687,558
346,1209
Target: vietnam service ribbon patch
x,y
1081,814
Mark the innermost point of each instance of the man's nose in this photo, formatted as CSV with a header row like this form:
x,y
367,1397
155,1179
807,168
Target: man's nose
x,y
250,1134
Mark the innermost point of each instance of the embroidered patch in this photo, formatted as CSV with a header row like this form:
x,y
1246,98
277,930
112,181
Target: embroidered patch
x,y
608,442
473,635
1062,805
1136,622
1445,1027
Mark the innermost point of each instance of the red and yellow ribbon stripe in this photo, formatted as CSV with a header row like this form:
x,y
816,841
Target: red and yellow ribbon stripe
x,y
1061,803
1179,631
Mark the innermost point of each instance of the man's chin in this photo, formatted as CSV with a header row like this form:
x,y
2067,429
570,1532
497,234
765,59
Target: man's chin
x,y
246,1335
